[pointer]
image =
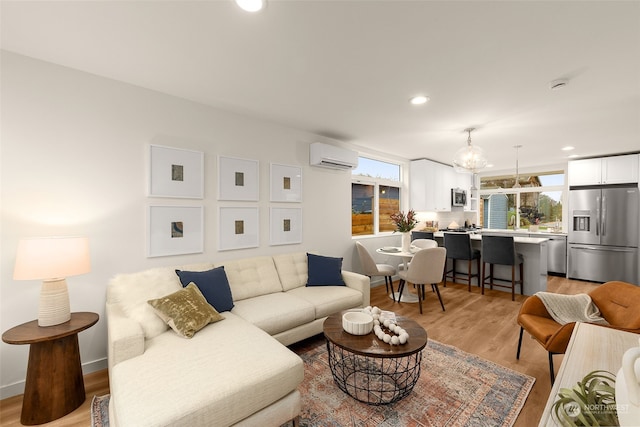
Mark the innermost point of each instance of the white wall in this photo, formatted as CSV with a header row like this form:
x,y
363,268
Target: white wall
x,y
74,162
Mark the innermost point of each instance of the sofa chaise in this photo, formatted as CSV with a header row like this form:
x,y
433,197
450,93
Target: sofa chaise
x,y
237,371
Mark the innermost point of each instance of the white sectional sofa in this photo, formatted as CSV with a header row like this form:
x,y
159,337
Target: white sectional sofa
x,y
237,371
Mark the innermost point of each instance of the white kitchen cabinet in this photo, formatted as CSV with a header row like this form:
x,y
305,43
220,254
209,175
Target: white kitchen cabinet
x,y
605,170
585,172
620,169
431,184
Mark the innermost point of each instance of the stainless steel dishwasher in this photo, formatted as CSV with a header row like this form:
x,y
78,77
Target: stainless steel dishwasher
x,y
556,254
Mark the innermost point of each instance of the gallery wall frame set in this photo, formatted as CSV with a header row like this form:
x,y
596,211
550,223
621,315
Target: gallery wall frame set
x,y
179,230
238,179
175,230
285,226
238,228
176,172
285,183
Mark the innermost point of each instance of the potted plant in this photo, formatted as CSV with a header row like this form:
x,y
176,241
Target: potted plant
x,y
591,402
404,224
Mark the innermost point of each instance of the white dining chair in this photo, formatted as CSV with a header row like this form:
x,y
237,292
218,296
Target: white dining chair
x,y
422,244
427,267
371,268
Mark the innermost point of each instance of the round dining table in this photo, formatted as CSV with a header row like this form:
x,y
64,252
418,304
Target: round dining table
x,y
406,257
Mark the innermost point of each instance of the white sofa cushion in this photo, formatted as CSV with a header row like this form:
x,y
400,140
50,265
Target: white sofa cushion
x,y
226,372
252,277
132,291
292,269
277,312
328,299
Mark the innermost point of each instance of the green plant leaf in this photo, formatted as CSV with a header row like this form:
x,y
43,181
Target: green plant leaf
x,y
590,402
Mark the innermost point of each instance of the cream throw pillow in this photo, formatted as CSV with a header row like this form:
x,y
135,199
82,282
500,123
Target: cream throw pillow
x,y
185,311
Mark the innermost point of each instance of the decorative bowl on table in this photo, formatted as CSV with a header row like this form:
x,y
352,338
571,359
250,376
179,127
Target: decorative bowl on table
x,y
357,323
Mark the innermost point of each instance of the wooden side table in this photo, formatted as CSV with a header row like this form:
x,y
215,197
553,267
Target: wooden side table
x,y
54,385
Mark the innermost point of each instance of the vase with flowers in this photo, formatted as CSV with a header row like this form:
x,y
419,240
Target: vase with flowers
x,y
404,224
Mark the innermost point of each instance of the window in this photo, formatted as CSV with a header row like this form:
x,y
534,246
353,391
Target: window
x,y
375,196
537,202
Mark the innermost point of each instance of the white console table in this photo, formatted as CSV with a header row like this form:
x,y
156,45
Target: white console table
x,y
591,348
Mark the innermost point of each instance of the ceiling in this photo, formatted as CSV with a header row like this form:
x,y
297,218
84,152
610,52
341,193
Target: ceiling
x,y
346,69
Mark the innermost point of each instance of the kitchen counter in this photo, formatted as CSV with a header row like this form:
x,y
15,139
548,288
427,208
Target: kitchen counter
x,y
521,231
533,249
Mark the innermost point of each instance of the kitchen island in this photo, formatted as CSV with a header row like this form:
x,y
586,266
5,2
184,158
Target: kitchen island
x,y
534,251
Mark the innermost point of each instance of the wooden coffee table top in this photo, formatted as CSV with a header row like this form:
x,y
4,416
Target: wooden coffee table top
x,y
370,345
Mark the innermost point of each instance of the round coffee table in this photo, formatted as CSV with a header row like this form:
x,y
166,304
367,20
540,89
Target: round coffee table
x,y
370,370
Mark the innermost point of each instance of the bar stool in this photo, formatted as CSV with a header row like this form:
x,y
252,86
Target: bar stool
x,y
422,235
501,250
458,246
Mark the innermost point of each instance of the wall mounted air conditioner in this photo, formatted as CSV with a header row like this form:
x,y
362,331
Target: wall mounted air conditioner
x,y
332,157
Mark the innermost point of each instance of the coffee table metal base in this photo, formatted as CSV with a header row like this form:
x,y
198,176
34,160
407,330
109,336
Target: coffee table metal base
x,y
374,380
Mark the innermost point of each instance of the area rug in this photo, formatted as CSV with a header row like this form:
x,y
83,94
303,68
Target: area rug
x,y
100,411
455,389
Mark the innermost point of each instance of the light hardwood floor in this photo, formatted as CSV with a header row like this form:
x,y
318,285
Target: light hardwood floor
x,y
483,325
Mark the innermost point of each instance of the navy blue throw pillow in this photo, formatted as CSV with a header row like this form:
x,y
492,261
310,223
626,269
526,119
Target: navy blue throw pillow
x,y
213,284
324,271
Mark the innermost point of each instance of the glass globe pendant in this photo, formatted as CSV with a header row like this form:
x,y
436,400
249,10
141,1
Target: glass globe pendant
x,y
470,158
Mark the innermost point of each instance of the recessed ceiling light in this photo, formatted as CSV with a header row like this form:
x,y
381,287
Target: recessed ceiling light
x,y
573,155
490,165
568,148
251,5
419,100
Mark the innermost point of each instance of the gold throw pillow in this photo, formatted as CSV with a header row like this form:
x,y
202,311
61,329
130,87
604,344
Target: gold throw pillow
x,y
185,311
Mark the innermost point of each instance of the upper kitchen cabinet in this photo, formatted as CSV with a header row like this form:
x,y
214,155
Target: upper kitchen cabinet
x,y
431,184
604,170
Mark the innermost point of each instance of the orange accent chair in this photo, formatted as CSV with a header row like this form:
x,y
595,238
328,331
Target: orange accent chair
x,y
618,302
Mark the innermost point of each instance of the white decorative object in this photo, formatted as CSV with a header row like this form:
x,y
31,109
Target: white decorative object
x,y
357,322
175,230
400,335
406,242
175,172
628,388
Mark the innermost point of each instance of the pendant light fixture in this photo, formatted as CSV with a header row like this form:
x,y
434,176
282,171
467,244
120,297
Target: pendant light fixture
x,y
517,183
470,158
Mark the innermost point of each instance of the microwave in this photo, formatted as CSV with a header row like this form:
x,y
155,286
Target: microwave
x,y
458,197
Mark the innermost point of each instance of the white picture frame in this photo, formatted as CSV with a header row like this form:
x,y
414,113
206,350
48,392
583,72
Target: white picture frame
x,y
175,230
176,172
286,183
238,179
285,226
238,228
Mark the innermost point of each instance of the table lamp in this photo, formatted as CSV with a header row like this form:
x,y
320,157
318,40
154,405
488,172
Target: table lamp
x,y
52,259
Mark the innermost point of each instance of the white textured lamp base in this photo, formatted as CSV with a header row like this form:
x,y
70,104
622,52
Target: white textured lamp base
x,y
54,306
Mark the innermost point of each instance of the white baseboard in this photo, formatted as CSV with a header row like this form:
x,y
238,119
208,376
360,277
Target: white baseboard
x,y
18,387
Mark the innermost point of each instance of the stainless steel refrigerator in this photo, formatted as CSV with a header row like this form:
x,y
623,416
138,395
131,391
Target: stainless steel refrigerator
x,y
603,234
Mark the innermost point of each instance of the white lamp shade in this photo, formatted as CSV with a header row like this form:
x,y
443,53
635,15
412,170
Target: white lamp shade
x,y
51,258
